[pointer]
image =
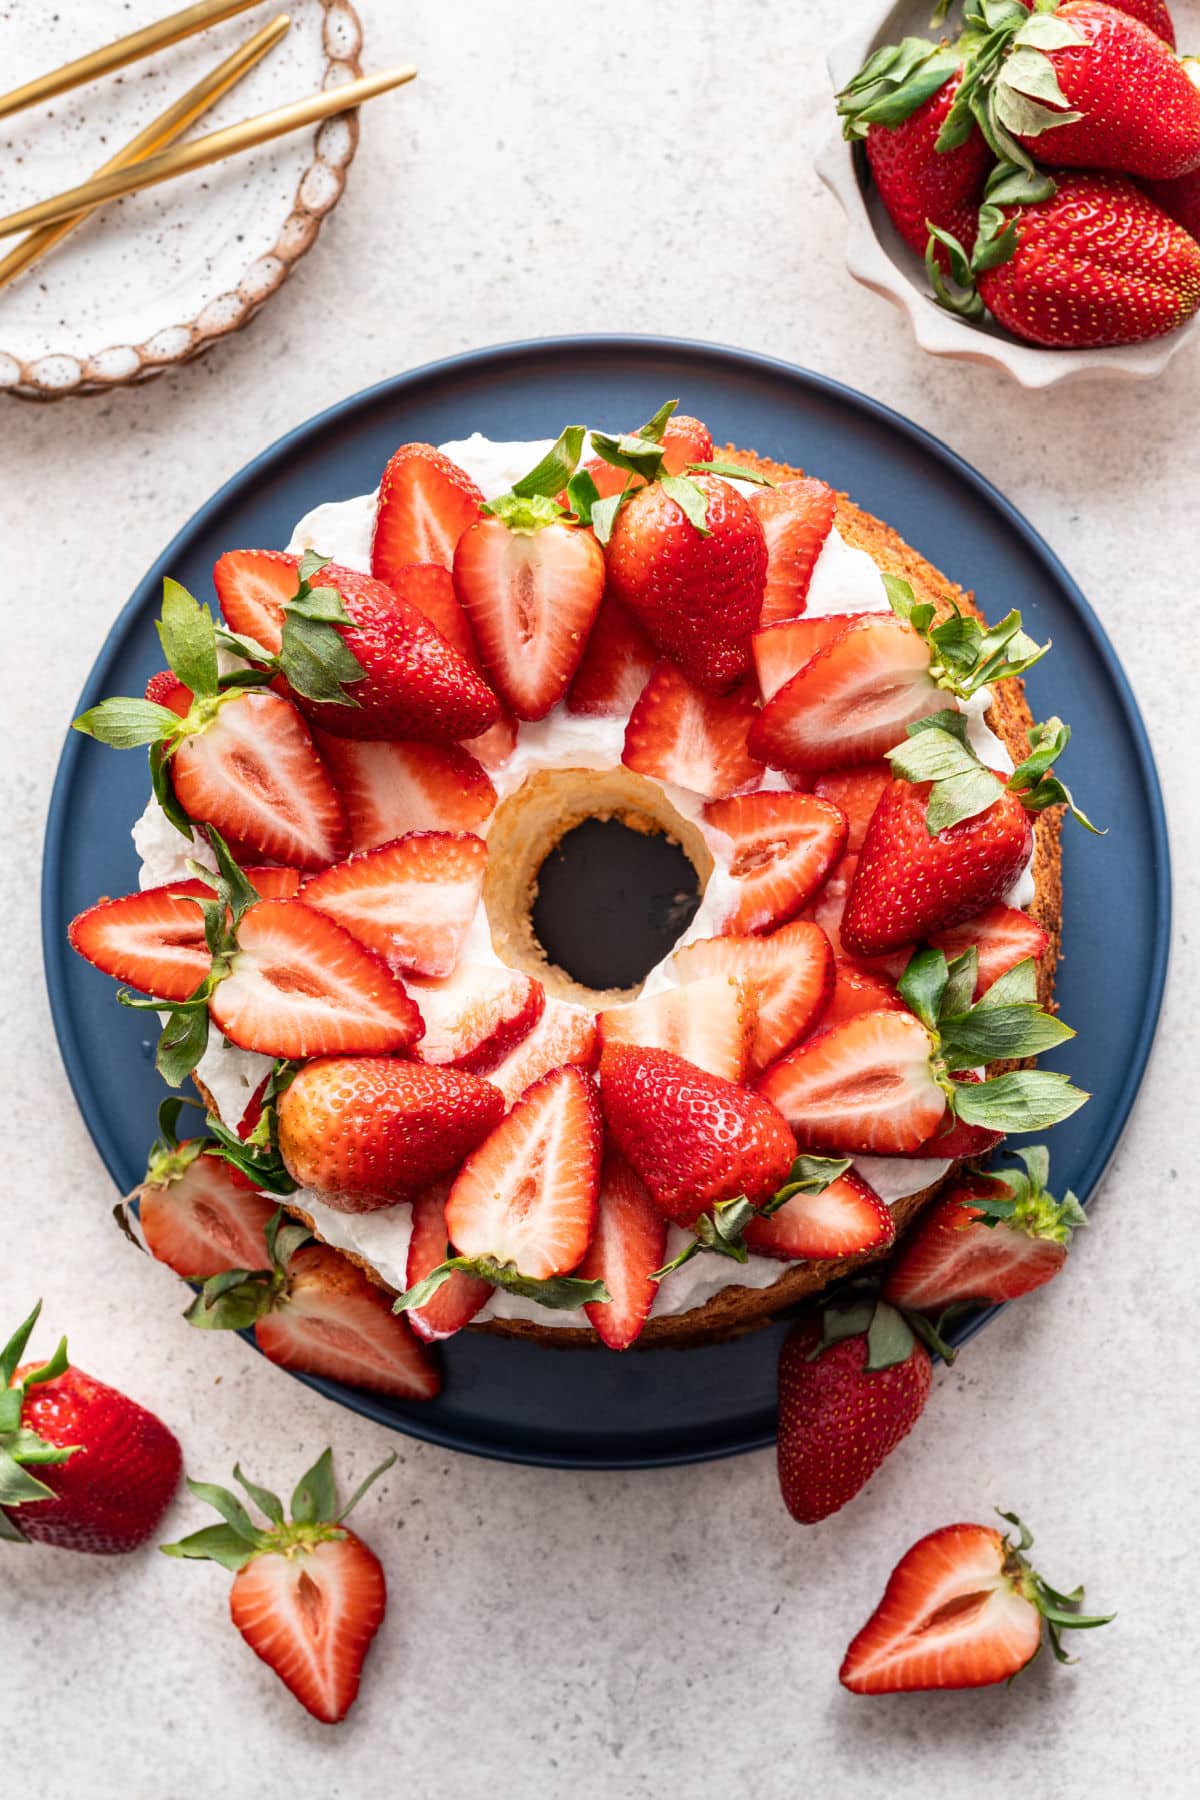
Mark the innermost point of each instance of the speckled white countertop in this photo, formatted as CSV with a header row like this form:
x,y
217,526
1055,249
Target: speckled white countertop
x,y
668,1634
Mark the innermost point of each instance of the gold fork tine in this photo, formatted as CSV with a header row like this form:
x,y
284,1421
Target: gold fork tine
x,y
124,50
161,131
180,159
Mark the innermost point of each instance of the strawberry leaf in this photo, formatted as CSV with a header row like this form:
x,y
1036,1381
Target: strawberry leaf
x,y
214,1543
1034,784
263,1498
189,639
962,298
1023,1100
922,987
604,513
164,787
314,658
732,472
561,1293
892,83
552,474
890,1339
368,1481
690,499
315,1496
583,494
183,1042
125,722
807,1175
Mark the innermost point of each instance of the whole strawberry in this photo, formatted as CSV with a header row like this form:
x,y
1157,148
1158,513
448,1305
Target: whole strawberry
x,y
1180,198
83,1467
693,1138
845,1402
308,1595
1153,13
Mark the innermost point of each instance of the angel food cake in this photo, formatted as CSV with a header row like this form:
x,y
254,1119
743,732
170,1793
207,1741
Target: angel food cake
x,y
410,757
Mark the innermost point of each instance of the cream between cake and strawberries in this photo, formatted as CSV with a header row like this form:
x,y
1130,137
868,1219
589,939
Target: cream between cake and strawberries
x,y
845,580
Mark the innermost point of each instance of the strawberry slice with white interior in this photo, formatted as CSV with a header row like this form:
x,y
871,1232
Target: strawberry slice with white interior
x,y
851,703
255,774
865,1087
697,741
205,1220
430,588
337,1323
796,517
781,650
426,503
301,986
563,1034
857,793
392,789
411,901
710,1022
847,1219
629,1244
827,909
476,1016
784,845
615,666
789,973
460,1297
527,1195
857,991
1002,935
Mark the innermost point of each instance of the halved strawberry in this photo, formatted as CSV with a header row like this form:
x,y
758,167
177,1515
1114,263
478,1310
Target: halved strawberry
x,y
693,1138
392,789
629,1244
254,773
847,1219
684,440
426,503
781,650
203,1219
411,901
954,1138
339,1324
863,1087
527,1195
563,1034
784,845
253,587
166,689
797,517
710,1022
857,792
299,985
615,666
458,1299
475,1017
790,975
679,734
851,703
856,991
1002,935
531,597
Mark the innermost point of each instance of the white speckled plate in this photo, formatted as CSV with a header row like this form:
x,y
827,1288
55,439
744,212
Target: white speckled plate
x,y
155,278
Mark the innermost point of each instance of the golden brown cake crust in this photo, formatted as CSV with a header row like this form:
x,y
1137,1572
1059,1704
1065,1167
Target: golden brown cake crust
x,y
735,1309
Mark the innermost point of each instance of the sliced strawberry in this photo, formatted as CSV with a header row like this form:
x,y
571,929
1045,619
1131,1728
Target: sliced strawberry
x,y
392,789
310,1614
954,1138
494,747
255,774
784,845
430,588
1003,937
253,587
166,689
527,1195
857,793
684,440
695,740
563,1034
790,974
781,650
953,1615
299,986
153,940
862,1087
411,901
339,1324
426,503
460,1297
531,598
630,1243
710,1022
205,1220
956,1253
477,1016
797,517
851,703
827,910
857,991
848,1219
615,666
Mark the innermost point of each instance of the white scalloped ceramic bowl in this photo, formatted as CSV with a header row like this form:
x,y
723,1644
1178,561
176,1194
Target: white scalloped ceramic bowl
x,y
159,276
878,257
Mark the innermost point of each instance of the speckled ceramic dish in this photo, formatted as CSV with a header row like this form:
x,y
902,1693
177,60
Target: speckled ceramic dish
x,y
157,277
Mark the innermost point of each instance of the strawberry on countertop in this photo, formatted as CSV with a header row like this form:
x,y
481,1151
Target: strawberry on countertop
x,y
426,502
308,1595
962,1609
992,1237
84,1467
530,580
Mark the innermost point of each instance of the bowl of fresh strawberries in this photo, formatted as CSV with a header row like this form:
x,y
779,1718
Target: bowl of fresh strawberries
x,y
1026,185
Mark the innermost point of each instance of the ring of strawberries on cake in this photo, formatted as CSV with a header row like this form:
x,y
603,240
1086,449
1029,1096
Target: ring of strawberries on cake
x,y
602,890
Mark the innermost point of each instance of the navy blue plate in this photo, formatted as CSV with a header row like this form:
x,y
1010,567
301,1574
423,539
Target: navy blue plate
x,y
590,1408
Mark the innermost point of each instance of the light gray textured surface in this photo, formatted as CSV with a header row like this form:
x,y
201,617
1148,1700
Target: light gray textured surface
x,y
666,1634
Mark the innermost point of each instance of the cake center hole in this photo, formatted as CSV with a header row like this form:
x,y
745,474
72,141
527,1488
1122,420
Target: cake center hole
x,y
612,902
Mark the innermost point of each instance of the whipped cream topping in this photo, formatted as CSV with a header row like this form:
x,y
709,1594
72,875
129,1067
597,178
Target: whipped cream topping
x,y
844,579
